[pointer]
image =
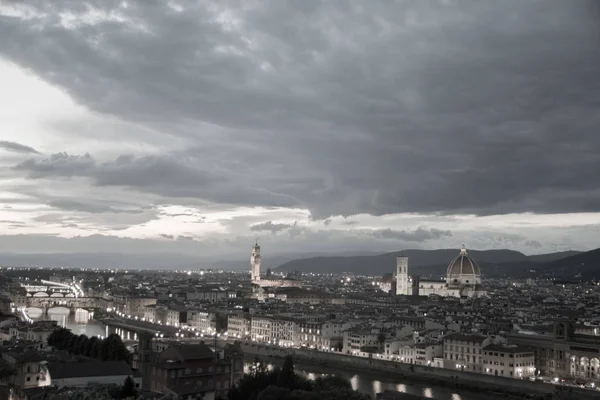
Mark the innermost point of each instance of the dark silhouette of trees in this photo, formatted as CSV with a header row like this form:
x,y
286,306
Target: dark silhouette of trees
x,y
381,339
128,390
89,345
109,349
114,349
285,384
80,344
96,351
6,370
286,374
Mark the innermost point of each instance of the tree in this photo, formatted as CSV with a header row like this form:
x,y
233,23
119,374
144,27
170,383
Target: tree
x,y
59,337
80,344
96,351
113,349
6,370
331,382
284,384
381,339
70,347
286,374
343,394
274,393
269,273
89,345
128,390
257,368
66,339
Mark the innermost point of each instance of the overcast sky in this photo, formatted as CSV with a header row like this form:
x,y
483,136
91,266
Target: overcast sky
x,y
197,126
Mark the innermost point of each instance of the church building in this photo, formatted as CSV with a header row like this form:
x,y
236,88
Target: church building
x,y
463,279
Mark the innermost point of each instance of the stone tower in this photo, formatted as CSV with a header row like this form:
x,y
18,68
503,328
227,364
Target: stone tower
x,y
403,283
255,263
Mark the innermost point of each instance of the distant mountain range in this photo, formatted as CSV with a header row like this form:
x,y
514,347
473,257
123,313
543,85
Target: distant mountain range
x,y
433,263
148,261
427,263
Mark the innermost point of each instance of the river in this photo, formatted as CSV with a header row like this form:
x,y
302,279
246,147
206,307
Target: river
x,y
372,384
80,323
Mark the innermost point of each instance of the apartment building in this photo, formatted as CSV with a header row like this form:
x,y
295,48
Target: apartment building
x,y
509,361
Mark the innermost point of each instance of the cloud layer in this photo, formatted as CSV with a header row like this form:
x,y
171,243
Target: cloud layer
x,y
432,108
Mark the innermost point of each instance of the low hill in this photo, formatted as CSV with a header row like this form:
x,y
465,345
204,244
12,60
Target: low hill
x,y
426,262
545,258
586,264
420,261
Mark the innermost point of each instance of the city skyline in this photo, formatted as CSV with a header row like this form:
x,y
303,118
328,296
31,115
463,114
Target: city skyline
x,y
195,129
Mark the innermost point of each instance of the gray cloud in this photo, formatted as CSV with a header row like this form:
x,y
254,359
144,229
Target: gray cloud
x,y
170,237
270,226
534,244
17,147
436,106
418,235
89,207
184,237
167,176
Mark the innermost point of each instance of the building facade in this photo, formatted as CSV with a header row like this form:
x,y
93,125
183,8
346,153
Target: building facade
x,y
463,279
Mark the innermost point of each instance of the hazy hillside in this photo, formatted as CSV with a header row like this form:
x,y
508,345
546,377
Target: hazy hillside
x,y
587,264
427,262
145,261
544,258
104,260
420,261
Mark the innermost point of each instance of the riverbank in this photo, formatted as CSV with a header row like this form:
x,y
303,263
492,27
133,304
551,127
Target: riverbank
x,y
515,388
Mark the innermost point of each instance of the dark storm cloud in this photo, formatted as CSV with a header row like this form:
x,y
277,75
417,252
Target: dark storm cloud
x,y
418,235
431,106
17,147
168,176
270,226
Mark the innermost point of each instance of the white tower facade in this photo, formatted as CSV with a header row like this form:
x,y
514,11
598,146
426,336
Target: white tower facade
x,y
403,282
255,264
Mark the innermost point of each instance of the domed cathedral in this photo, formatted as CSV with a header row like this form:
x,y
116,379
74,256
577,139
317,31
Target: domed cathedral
x,y
463,274
463,279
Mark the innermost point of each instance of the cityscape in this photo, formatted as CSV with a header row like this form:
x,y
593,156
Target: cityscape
x,y
462,337
299,200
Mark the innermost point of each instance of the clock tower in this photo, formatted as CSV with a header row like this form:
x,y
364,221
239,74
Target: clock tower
x,y
255,263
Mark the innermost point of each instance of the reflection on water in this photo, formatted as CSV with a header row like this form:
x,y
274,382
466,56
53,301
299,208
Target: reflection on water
x,y
372,384
80,322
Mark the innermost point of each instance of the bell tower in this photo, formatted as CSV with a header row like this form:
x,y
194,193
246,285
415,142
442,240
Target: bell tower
x,y
255,263
403,284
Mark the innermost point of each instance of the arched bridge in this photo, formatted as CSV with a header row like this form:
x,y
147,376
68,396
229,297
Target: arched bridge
x,y
45,288
47,302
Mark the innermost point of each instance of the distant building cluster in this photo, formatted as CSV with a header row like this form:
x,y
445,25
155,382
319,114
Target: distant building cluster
x,y
463,279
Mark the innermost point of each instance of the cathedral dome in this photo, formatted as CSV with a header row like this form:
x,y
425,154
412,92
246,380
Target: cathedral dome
x,y
463,270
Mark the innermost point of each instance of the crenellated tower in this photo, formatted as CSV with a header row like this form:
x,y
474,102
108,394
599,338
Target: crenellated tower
x,y
255,263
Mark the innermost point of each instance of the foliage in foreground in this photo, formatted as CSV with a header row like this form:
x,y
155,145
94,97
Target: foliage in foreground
x,y
109,349
97,392
284,384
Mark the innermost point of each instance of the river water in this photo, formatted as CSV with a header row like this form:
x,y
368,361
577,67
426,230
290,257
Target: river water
x,y
82,322
372,384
